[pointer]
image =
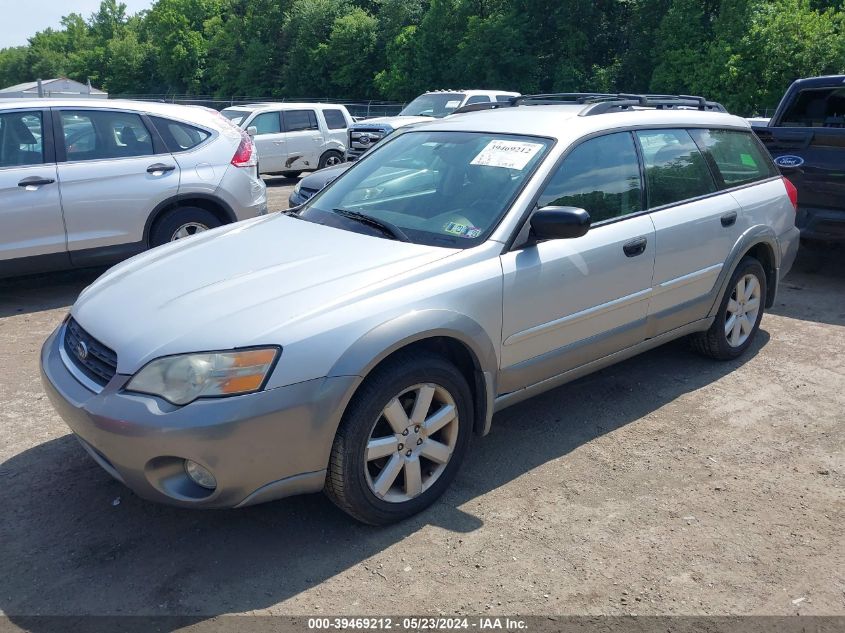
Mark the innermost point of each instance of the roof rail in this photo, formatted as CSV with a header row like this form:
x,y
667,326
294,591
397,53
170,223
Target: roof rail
x,y
601,103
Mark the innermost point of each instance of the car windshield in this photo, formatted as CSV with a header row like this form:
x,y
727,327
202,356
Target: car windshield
x,y
235,116
434,105
439,188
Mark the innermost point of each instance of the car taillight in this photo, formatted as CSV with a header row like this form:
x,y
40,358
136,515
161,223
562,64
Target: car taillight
x,y
791,191
245,155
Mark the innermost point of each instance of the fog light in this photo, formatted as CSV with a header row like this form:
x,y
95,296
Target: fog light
x,y
200,475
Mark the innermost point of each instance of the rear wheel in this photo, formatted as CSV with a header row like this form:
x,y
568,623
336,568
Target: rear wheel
x,y
181,223
291,174
740,312
401,440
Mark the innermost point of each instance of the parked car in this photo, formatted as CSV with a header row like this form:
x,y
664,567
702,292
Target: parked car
x,y
89,184
354,345
294,137
430,105
308,185
806,137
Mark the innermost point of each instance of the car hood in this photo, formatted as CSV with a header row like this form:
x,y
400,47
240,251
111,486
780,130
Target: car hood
x,y
239,285
319,179
392,121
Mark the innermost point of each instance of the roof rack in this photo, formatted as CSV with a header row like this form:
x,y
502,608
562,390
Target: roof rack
x,y
601,103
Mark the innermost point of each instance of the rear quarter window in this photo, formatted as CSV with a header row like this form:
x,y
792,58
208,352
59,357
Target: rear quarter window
x,y
178,136
335,119
737,156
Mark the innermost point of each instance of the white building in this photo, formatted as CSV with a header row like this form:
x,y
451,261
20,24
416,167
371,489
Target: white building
x,y
61,87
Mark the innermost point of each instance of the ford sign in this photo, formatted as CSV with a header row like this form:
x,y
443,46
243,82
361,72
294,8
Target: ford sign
x,y
789,161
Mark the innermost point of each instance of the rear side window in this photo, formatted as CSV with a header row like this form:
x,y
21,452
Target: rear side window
x,y
299,120
96,135
335,119
504,98
21,136
267,123
824,107
675,168
179,137
601,175
477,99
737,156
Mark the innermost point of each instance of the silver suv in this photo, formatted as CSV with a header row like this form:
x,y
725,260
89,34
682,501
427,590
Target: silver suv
x,y
85,184
355,344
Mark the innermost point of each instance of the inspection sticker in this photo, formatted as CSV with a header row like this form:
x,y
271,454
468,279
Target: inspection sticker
x,y
508,154
462,230
451,105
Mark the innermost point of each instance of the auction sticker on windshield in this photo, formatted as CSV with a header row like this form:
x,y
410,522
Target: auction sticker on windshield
x,y
508,154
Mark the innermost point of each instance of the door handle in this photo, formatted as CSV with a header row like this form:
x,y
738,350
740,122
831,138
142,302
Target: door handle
x,y
36,181
278,142
635,247
160,168
729,219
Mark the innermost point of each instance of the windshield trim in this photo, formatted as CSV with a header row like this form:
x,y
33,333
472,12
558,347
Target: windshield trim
x,y
507,208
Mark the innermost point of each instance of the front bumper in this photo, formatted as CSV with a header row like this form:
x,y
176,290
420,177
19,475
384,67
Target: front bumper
x,y
822,225
259,447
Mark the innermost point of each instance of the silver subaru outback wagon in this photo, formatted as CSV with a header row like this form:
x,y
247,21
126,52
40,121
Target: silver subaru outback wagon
x,y
85,184
354,344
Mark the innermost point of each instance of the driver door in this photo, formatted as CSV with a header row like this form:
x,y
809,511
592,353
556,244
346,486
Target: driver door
x,y
571,301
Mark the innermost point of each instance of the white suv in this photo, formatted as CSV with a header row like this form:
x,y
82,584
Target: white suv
x,y
85,184
294,137
430,105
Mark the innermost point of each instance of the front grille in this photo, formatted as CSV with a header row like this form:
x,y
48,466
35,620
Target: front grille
x,y
357,145
92,358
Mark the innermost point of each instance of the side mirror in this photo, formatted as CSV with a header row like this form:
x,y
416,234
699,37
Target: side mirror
x,y
559,223
252,130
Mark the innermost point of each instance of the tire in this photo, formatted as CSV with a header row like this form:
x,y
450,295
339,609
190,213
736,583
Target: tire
x,y
197,220
719,341
352,479
291,174
330,158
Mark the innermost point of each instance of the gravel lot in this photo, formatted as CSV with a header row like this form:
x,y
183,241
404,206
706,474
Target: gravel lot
x,y
668,484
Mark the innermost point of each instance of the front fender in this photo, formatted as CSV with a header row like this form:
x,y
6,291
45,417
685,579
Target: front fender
x,y
381,341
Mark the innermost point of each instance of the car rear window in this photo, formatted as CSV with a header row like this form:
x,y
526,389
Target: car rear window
x,y
177,136
821,107
335,119
737,155
675,168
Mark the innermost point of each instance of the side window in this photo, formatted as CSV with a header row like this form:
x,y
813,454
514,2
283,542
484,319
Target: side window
x,y
21,136
478,99
675,169
601,175
824,107
267,123
737,155
335,119
504,98
299,120
95,135
179,137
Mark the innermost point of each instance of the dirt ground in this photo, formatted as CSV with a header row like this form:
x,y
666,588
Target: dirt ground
x,y
668,484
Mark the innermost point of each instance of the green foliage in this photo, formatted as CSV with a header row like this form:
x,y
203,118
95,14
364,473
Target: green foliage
x,y
741,52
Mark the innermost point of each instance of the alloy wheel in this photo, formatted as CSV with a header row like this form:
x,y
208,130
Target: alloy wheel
x,y
742,311
411,443
187,230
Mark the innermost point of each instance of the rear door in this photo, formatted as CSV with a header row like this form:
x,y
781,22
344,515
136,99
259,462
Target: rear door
x,y
303,138
696,226
112,172
30,209
569,302
270,142
336,125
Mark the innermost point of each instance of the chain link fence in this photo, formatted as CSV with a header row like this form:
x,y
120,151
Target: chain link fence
x,y
364,109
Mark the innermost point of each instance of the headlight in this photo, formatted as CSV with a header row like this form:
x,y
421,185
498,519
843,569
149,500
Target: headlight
x,y
184,378
297,187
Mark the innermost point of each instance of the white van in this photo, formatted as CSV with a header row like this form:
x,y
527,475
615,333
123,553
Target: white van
x,y
294,137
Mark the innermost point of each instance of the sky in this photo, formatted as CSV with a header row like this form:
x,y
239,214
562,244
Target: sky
x,y
22,18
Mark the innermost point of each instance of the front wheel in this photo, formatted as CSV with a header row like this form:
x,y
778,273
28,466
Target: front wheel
x,y
401,440
740,312
330,159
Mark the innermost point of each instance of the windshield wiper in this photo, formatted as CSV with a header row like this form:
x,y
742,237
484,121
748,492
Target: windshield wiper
x,y
385,227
